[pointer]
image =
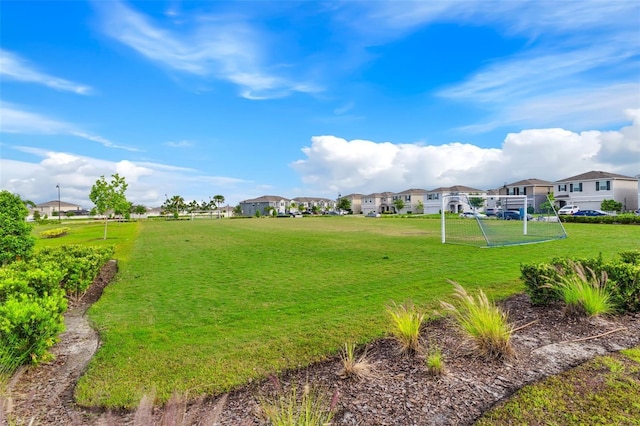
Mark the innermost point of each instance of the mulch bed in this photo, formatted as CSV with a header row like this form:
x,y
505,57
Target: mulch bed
x,y
402,392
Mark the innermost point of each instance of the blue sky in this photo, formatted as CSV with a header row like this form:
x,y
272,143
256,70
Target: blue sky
x,y
313,98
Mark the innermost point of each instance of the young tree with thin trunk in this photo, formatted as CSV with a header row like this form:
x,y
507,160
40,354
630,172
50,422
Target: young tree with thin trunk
x,y
219,199
109,196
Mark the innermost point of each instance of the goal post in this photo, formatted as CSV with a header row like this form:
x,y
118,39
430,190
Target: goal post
x,y
489,220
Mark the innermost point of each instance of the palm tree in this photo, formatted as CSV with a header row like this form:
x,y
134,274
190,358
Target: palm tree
x,y
175,204
218,199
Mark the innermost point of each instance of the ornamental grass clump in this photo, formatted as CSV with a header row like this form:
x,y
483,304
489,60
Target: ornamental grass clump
x,y
312,407
406,321
435,362
584,292
355,367
482,322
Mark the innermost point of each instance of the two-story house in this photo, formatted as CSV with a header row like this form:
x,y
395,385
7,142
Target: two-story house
x,y
356,202
588,190
457,201
536,191
412,199
264,204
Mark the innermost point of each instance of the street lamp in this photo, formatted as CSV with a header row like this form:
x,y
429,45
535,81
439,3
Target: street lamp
x,y
59,218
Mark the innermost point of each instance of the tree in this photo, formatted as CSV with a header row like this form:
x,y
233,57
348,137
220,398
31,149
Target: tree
x,y
420,207
193,206
174,205
138,209
237,210
15,233
399,204
109,196
218,199
611,206
344,204
547,206
476,202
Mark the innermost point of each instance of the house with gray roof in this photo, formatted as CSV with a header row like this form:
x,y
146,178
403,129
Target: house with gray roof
x,y
588,190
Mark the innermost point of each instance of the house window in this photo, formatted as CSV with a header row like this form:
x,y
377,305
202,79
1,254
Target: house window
x,y
604,185
575,187
562,188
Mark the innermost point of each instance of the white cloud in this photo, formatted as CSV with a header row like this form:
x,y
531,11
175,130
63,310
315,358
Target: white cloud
x,y
13,67
15,120
148,182
179,144
334,164
218,47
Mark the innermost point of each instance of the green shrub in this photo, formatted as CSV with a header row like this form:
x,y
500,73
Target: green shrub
x,y
623,279
406,320
482,322
631,256
435,362
54,233
29,326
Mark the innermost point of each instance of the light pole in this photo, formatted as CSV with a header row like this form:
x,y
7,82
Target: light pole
x,y
59,218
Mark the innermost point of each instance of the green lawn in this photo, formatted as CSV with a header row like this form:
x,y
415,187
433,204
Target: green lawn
x,y
206,306
603,391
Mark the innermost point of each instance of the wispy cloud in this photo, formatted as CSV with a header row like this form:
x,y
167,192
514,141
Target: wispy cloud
x,y
16,120
216,47
578,48
179,144
14,67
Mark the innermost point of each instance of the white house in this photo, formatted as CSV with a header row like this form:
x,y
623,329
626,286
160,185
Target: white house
x,y
50,207
457,201
588,190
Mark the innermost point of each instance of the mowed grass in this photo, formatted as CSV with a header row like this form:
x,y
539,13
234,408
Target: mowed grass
x,y
603,391
203,307
120,235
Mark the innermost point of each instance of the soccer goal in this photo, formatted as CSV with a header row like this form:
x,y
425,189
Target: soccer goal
x,y
496,220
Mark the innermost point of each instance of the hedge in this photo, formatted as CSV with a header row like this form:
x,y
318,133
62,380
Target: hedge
x,y
623,278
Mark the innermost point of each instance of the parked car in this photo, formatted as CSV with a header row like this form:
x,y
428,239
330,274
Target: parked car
x,y
590,213
508,215
637,212
569,209
472,215
373,214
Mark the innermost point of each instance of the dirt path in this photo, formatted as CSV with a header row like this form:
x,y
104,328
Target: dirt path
x,y
402,393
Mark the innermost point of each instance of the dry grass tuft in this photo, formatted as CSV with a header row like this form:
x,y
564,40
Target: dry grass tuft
x,y
356,367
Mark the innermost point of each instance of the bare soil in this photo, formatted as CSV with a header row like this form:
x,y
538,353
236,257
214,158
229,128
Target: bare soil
x,y
401,392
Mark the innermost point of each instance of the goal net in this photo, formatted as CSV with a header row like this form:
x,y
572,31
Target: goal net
x,y
498,220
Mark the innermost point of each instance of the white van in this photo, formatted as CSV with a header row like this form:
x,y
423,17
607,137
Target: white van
x,y
569,209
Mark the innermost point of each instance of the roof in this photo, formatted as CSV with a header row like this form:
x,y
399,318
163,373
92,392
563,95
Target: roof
x,y
413,191
54,203
310,199
266,199
456,188
596,175
531,182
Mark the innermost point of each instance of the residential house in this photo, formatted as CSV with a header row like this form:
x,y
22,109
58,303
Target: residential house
x,y
413,200
356,202
457,201
588,190
264,204
308,203
50,207
536,191
378,202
